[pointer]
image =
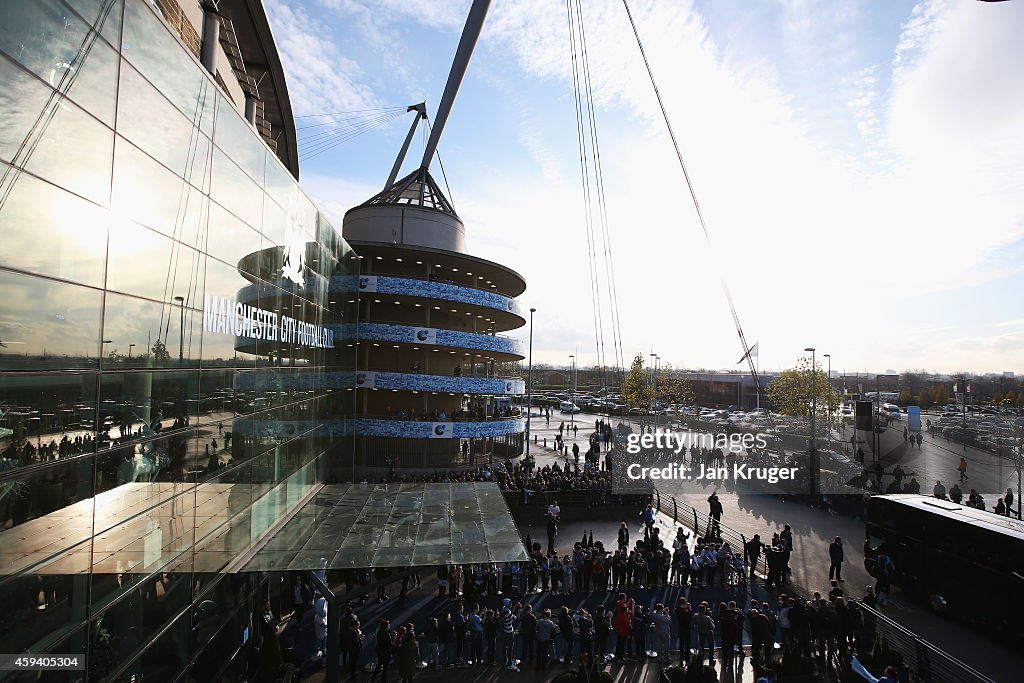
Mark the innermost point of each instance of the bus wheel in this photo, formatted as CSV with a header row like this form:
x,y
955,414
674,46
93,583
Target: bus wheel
x,y
938,603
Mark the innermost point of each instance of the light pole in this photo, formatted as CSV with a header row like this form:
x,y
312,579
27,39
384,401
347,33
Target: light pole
x,y
181,329
828,397
572,395
529,386
130,346
814,410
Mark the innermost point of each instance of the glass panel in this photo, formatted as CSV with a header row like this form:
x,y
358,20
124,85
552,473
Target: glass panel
x,y
231,240
51,138
47,325
51,232
145,117
147,263
222,349
144,405
50,417
105,13
58,47
147,192
139,616
150,47
148,334
46,517
280,184
222,525
238,140
235,191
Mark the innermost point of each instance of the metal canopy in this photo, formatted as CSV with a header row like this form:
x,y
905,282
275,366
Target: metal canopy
x,y
395,525
416,189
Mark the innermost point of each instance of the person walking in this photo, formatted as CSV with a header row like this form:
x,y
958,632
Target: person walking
x,y
786,539
753,552
962,468
320,628
836,556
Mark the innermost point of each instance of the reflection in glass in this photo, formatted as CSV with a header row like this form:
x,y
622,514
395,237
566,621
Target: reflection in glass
x,y
106,15
44,592
145,117
235,191
234,136
34,220
231,240
147,192
53,138
150,47
146,263
45,418
46,324
58,47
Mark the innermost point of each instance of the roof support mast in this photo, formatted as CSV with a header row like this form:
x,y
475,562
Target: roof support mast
x,y
421,110
470,33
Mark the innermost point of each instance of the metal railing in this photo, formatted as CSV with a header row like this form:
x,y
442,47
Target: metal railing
x,y
703,526
925,661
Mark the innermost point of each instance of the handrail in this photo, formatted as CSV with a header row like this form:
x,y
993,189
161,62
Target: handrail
x,y
927,662
689,516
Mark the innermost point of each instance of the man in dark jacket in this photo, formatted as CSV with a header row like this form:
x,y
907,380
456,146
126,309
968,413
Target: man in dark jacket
x,y
836,555
761,636
753,550
527,633
684,625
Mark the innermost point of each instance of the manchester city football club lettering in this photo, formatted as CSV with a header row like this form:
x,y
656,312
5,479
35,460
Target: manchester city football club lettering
x,y
227,316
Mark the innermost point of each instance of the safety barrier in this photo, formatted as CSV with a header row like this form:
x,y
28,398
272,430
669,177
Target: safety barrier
x,y
705,527
925,661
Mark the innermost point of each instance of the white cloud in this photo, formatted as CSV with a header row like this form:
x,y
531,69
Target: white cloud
x,y
320,78
801,220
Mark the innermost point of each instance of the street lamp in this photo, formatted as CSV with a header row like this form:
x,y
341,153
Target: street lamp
x,y
181,329
828,397
814,410
130,347
572,395
529,386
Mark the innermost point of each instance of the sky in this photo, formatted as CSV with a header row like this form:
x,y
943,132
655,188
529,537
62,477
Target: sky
x,y
859,167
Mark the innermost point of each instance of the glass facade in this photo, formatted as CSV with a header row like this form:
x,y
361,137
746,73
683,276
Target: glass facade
x,y
158,259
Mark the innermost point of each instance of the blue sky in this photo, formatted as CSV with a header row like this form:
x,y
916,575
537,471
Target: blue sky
x,y
860,166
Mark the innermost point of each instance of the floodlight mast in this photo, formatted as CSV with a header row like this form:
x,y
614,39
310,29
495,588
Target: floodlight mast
x,y
470,33
421,114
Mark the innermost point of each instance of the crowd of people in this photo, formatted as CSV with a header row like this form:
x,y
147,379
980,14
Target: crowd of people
x,y
468,633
